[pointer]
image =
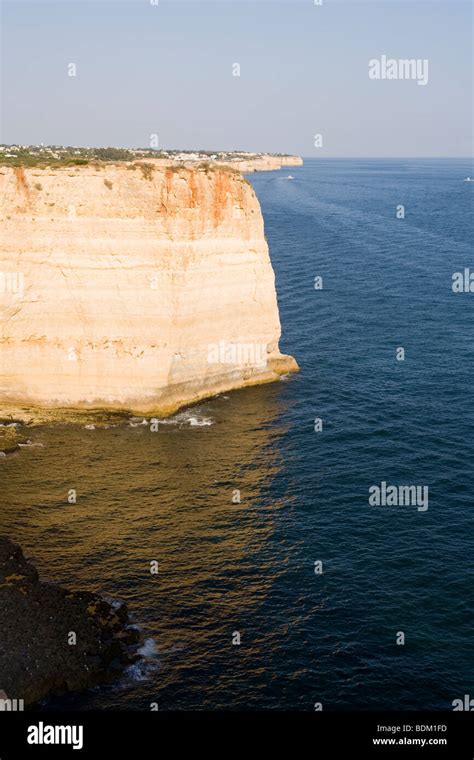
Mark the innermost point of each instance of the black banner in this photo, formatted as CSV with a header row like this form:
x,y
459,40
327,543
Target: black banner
x,y
325,734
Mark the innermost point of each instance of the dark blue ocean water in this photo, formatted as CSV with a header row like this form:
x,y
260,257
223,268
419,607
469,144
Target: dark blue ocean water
x,y
249,567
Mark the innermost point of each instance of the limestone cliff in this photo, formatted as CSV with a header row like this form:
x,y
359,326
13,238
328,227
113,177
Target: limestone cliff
x,y
133,287
264,163
259,163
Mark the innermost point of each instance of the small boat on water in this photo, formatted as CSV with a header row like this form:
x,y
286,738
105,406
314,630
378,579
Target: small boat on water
x,y
468,179
290,177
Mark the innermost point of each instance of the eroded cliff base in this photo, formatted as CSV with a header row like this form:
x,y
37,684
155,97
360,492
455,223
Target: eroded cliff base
x,y
172,401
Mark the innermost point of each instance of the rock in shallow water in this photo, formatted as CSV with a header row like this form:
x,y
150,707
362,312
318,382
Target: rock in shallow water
x,y
37,620
10,439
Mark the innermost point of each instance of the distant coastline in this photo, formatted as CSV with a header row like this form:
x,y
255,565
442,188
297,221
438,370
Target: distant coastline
x,y
55,156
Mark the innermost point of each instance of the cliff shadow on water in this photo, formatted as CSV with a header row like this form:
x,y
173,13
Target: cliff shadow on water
x,y
197,495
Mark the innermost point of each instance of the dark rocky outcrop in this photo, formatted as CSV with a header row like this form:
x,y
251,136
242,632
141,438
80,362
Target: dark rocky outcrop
x,y
10,439
36,620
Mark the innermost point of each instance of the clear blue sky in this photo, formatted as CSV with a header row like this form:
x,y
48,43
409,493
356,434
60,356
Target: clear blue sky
x,y
167,69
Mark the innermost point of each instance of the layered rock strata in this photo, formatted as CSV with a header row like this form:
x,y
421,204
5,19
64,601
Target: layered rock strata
x,y
132,287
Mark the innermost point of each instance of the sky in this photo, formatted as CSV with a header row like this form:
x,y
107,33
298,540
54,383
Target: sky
x,y
166,68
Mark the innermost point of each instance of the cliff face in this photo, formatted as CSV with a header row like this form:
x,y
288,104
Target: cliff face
x,y
133,288
265,163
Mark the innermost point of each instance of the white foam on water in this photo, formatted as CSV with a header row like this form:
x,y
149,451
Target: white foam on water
x,y
137,421
186,419
200,421
30,444
144,668
193,419
142,671
148,648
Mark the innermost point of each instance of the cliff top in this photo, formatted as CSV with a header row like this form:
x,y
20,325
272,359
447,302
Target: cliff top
x,y
148,168
59,156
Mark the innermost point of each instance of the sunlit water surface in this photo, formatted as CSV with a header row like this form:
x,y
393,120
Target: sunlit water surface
x,y
249,566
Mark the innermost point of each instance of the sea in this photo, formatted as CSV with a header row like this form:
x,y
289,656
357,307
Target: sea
x,y
279,583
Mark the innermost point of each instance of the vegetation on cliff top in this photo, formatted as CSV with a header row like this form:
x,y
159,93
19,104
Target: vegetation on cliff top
x,y
40,156
53,156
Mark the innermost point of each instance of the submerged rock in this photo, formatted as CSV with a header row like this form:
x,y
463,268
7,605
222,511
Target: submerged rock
x,y
10,439
40,622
